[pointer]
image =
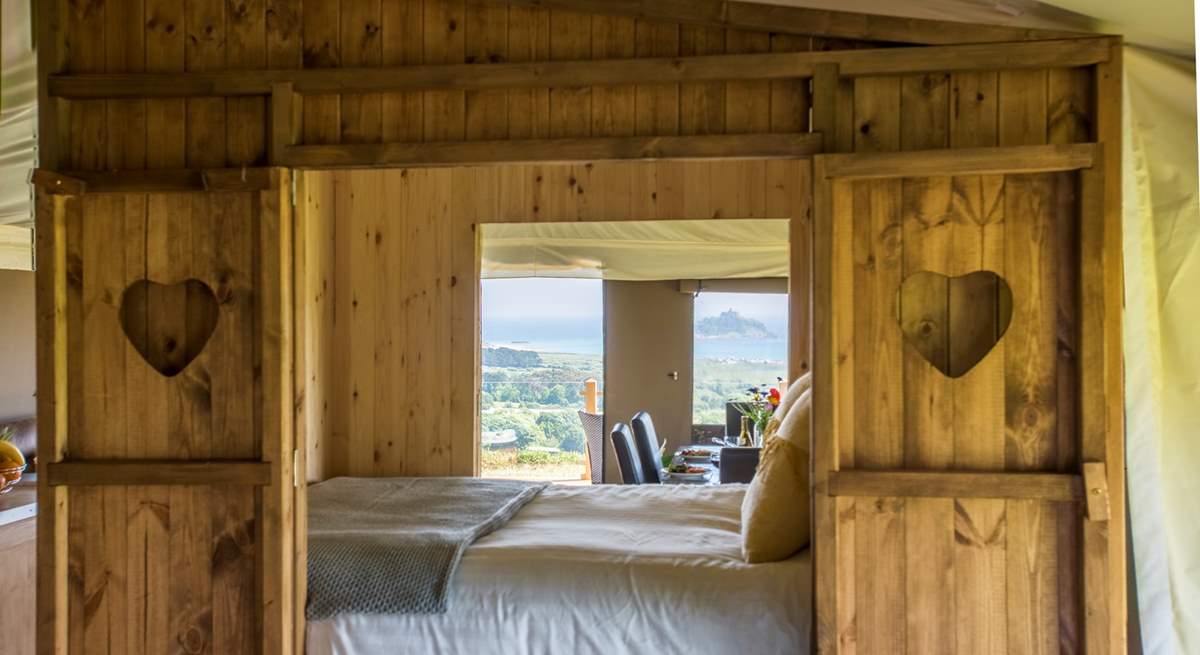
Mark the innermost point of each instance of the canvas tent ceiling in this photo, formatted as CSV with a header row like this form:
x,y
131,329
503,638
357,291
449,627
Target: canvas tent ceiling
x,y
18,109
637,250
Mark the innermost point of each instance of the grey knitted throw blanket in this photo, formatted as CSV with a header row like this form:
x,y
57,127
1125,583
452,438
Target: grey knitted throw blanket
x,y
391,545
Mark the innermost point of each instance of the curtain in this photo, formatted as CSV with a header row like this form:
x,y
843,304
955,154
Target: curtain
x,y
1162,348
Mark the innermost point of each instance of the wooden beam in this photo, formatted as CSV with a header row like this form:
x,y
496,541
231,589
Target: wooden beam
x,y
964,161
654,148
661,70
52,213
57,184
155,181
1095,484
797,20
825,436
1055,487
53,116
437,77
158,472
286,118
1065,53
824,104
1105,587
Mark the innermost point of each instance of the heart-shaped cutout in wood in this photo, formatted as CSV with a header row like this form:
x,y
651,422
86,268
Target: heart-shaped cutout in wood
x,y
169,324
953,322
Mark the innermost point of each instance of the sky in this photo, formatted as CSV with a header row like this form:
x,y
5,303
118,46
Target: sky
x,y
542,297
562,298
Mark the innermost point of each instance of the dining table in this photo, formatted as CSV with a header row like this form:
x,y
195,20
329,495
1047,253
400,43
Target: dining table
x,y
711,463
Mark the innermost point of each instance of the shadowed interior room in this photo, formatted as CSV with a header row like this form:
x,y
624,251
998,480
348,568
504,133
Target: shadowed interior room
x,y
263,390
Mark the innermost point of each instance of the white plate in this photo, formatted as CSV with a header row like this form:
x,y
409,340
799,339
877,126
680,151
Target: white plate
x,y
687,477
697,458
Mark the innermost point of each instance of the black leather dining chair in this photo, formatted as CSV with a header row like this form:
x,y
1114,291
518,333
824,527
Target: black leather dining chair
x,y
647,447
627,457
739,464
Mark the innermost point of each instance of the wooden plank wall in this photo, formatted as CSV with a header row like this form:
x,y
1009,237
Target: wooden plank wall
x,y
200,35
399,298
174,568
927,575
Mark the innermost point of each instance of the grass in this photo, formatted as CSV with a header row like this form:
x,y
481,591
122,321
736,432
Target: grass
x,y
532,465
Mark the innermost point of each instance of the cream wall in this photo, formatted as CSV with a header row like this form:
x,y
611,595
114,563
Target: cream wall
x,y
18,375
647,338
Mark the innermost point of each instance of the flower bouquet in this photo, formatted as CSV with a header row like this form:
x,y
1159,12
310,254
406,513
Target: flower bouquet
x,y
759,406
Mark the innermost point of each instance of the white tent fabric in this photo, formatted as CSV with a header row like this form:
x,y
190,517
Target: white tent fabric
x,y
1162,350
18,112
637,250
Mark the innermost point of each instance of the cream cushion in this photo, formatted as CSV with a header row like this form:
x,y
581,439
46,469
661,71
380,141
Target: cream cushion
x,y
776,509
790,395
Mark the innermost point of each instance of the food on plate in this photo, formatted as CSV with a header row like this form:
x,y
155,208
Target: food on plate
x,y
685,468
695,452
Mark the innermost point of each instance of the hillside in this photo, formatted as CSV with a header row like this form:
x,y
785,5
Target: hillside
x,y
510,358
731,325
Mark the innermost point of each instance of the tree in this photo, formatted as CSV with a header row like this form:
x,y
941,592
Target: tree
x,y
556,396
528,432
563,430
509,393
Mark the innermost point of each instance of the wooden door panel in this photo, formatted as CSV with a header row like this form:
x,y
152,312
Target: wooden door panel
x,y
904,410
985,559
165,490
945,575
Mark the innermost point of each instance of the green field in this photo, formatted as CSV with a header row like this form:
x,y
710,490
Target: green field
x,y
519,398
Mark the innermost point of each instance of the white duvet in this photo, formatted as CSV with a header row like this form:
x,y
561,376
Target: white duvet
x,y
604,569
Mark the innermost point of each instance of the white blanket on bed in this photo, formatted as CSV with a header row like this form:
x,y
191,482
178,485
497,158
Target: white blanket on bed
x,y
607,570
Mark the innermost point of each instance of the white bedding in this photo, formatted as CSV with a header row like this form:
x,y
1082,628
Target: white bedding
x,y
604,569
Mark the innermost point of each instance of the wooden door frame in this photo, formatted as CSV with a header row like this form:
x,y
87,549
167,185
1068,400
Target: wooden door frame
x,y
799,279
1100,480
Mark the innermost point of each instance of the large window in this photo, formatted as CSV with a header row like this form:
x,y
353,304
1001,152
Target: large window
x,y
740,342
542,339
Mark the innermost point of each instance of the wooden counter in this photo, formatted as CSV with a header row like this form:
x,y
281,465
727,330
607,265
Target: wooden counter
x,y
18,566
20,503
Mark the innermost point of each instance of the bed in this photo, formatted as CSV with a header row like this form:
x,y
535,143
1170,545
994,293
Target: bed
x,y
603,569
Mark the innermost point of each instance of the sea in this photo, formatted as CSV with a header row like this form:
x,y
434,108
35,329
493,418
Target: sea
x,y
585,336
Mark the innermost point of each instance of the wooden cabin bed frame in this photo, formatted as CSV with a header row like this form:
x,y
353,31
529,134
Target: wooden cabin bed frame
x,y
214,142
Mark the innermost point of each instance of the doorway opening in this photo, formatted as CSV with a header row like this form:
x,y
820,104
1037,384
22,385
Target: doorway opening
x,y
542,342
568,309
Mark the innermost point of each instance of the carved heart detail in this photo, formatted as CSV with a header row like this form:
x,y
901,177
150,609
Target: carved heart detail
x,y
953,322
169,324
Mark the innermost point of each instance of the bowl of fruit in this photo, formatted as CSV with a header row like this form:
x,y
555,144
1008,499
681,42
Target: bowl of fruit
x,y
12,462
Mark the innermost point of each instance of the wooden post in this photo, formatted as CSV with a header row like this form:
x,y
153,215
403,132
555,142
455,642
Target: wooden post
x,y
591,395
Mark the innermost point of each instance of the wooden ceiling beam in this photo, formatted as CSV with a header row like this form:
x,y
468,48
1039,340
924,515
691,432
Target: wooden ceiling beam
x,y
1064,53
465,153
76,183
962,161
804,21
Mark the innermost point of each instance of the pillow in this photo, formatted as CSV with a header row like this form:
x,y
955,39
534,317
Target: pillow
x,y
776,509
793,392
